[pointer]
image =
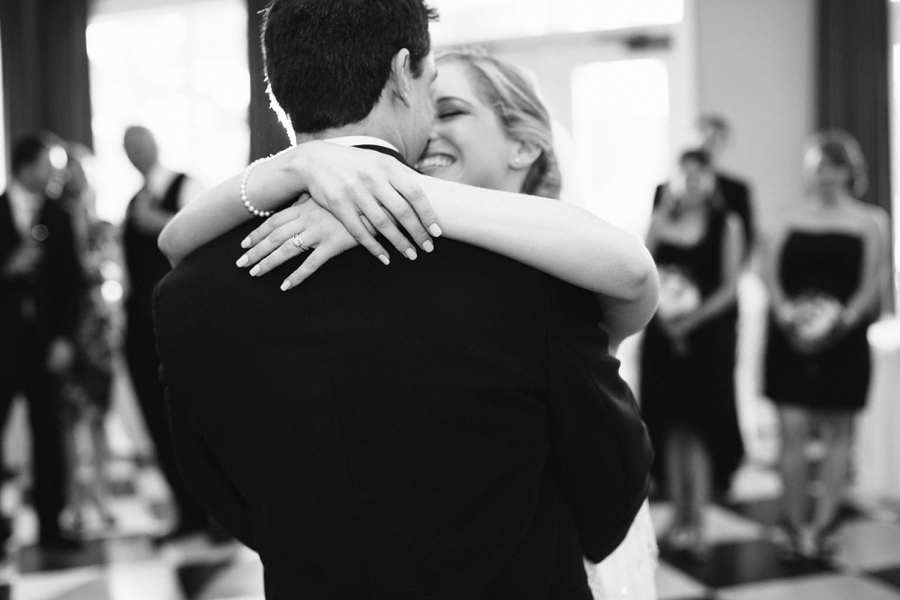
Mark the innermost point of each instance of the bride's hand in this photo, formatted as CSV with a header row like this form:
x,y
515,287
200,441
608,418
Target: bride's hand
x,y
273,242
365,190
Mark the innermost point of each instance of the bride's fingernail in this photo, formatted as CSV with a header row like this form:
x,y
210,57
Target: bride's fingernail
x,y
242,261
428,246
411,254
383,258
435,230
245,243
286,284
254,270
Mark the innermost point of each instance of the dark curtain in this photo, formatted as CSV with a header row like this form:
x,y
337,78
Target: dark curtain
x,y
45,68
853,79
267,135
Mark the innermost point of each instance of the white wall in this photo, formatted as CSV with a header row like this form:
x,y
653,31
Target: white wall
x,y
756,66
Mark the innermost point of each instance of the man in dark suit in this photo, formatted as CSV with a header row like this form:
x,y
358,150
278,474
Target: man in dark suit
x,y
733,191
164,193
715,134
426,430
40,276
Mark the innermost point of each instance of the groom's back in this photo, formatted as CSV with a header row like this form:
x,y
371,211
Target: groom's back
x,y
379,431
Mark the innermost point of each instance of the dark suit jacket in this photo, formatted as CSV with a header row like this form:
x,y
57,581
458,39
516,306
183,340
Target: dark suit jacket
x,y
736,193
54,287
427,429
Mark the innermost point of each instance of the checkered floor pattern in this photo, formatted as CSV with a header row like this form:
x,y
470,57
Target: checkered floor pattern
x,y
744,562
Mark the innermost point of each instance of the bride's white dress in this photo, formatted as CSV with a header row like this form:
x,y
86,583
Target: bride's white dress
x,y
629,573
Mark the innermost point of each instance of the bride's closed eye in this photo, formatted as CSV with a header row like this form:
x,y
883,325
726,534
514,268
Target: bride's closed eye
x,y
449,108
449,114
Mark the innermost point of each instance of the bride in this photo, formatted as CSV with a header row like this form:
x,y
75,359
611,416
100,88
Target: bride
x,y
491,130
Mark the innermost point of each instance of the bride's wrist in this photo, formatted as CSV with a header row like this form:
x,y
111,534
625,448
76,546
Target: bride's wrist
x,y
276,180
291,162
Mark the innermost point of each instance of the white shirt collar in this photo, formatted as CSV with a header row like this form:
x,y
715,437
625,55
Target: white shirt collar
x,y
24,204
360,140
19,193
158,181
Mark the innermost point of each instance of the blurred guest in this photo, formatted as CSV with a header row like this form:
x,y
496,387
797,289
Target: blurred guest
x,y
688,353
39,275
715,134
88,388
163,193
822,266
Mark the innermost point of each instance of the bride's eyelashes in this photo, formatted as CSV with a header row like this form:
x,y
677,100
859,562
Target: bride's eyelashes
x,y
449,114
449,108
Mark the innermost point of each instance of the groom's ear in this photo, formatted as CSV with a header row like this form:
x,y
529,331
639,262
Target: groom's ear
x,y
400,79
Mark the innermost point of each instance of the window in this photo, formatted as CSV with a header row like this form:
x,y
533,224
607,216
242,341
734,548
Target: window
x,y
178,68
466,21
621,124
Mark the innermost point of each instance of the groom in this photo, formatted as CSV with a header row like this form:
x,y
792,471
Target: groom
x,y
423,430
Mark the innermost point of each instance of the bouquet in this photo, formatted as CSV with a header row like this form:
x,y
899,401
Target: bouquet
x,y
679,296
813,315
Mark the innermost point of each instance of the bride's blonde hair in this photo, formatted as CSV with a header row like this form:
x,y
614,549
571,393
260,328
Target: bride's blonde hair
x,y
524,117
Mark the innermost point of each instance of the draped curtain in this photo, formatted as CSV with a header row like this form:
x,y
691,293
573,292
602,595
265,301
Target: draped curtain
x,y
853,86
267,135
45,68
853,83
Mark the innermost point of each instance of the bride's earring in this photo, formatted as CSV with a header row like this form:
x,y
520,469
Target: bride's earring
x,y
523,155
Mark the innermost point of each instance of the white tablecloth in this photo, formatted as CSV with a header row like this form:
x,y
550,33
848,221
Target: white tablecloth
x,y
877,444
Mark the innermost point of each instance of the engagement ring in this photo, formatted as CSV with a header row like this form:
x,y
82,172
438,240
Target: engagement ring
x,y
298,243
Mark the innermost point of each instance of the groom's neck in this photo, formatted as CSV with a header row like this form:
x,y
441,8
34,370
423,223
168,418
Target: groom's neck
x,y
373,126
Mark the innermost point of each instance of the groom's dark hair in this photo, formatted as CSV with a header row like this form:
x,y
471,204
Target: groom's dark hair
x,y
327,61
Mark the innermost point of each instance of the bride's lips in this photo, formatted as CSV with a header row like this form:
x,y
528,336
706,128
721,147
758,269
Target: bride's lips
x,y
435,162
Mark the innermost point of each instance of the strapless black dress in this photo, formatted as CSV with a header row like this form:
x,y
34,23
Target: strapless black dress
x,y
837,378
694,390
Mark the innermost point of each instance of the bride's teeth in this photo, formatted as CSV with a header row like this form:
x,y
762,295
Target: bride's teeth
x,y
435,162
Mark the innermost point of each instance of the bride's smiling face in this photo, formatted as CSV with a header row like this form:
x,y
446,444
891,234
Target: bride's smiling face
x,y
467,142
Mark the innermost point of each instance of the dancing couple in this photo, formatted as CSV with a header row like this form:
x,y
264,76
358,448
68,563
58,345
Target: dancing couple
x,y
452,424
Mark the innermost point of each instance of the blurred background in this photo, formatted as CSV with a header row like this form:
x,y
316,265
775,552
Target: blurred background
x,y
625,80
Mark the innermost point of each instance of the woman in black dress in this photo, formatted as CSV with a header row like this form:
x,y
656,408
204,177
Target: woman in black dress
x,y
824,269
688,353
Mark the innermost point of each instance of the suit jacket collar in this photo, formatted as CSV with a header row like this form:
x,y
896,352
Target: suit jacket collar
x,y
369,143
384,150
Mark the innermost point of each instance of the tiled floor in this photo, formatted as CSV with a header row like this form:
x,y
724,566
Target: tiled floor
x,y
743,565
123,563
746,562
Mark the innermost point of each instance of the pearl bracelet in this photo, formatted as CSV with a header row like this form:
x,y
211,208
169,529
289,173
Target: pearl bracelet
x,y
253,210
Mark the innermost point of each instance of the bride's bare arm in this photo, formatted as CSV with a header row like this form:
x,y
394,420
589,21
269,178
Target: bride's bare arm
x,y
557,238
359,187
